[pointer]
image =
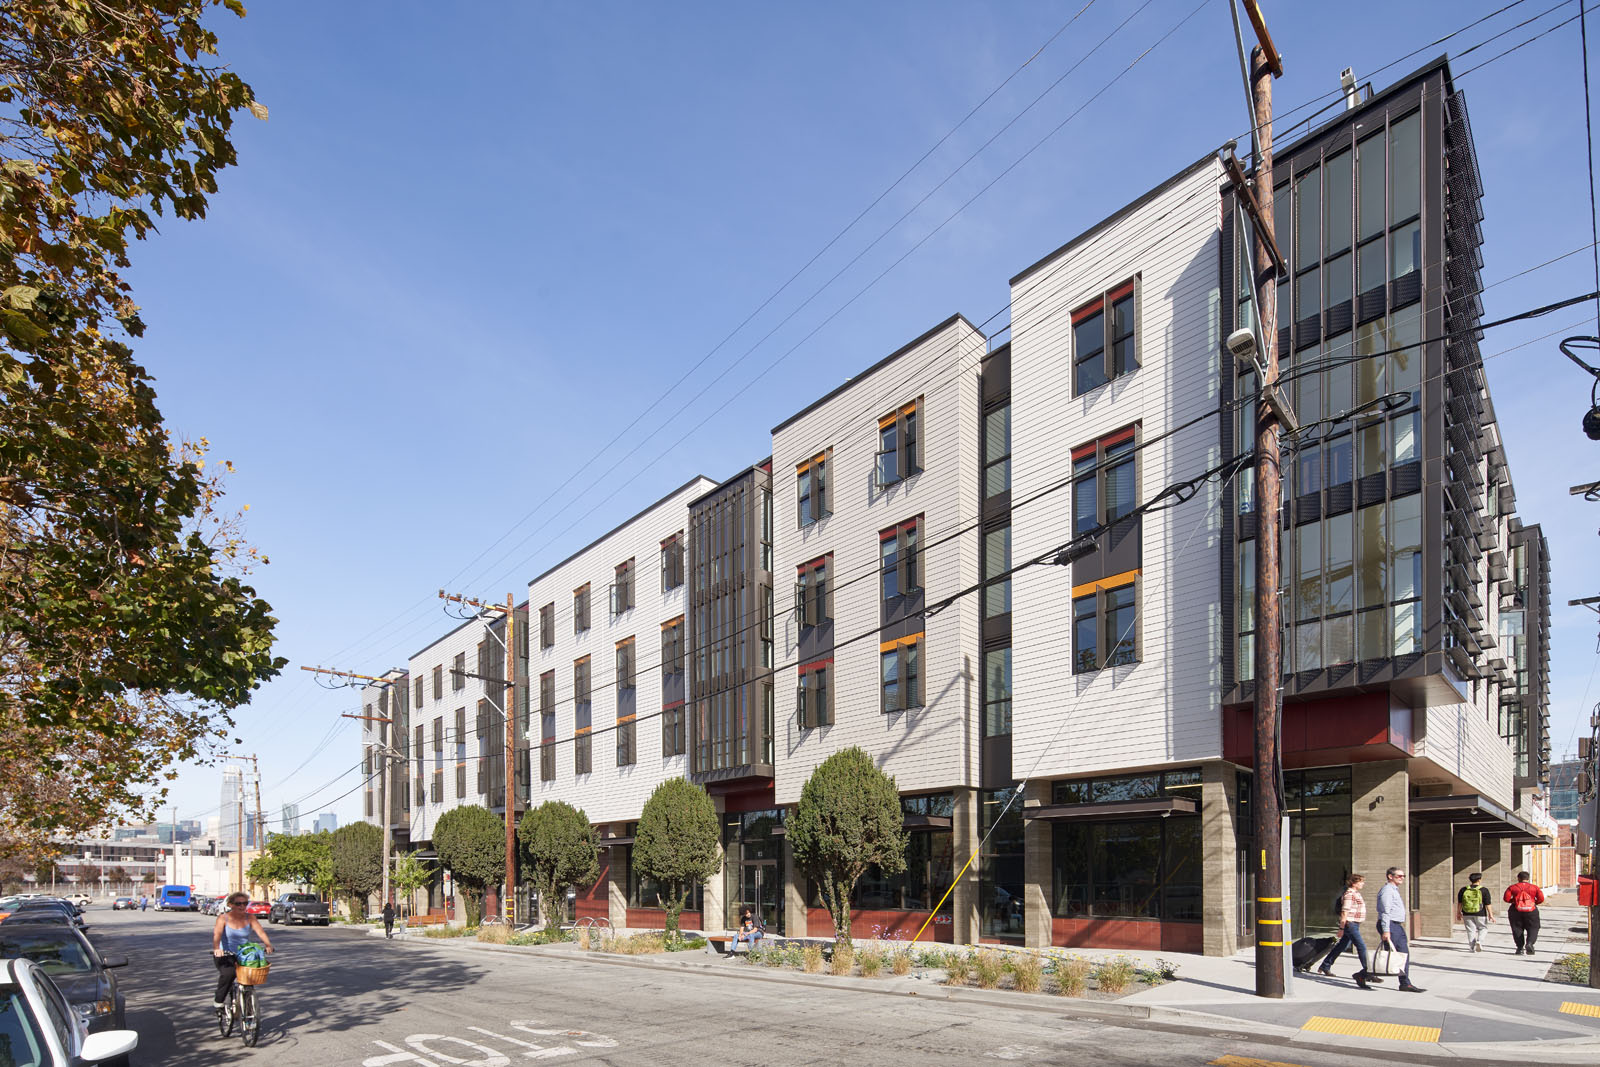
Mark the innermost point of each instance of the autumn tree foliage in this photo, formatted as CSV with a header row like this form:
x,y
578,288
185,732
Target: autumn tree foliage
x,y
127,632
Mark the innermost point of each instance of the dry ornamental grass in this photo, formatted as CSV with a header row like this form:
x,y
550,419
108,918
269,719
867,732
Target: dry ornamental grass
x,y
1071,975
1027,970
957,968
843,962
871,960
1113,975
989,967
900,961
811,959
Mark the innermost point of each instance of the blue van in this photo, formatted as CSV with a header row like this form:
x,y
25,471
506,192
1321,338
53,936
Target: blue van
x,y
175,898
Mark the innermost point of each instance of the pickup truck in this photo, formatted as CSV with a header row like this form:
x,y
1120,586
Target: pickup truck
x,y
298,908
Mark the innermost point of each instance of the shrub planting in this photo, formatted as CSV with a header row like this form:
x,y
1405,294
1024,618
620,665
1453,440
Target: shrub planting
x,y
1072,975
1113,975
1027,970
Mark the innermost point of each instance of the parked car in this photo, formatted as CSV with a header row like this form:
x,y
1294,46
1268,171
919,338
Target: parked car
x,y
125,904
48,907
79,900
258,909
36,1016
218,906
298,908
78,970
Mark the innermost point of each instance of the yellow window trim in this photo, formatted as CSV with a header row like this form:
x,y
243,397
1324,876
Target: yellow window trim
x,y
1113,582
899,641
805,465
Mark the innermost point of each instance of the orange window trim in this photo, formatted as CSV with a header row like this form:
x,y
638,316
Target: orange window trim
x,y
584,588
625,642
902,641
669,624
580,731
805,465
626,718
1115,581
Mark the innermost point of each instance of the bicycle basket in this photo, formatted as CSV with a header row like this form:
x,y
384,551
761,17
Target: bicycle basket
x,y
252,975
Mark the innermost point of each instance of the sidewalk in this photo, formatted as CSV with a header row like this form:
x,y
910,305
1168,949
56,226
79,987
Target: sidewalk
x,y
1491,1006
1488,1005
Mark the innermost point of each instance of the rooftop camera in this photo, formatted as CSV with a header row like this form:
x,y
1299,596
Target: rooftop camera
x,y
1591,423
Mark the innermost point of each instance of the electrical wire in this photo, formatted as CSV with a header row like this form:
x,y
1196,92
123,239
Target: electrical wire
x,y
1588,140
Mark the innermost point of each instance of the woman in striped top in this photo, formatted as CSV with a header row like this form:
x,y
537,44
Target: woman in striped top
x,y
1352,913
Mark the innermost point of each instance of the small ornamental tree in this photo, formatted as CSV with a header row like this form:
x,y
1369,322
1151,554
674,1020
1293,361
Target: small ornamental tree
x,y
471,842
357,853
848,818
291,859
559,850
410,874
676,843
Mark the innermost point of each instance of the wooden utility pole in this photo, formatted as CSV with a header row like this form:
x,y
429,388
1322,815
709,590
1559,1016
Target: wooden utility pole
x,y
1272,927
508,700
261,830
386,752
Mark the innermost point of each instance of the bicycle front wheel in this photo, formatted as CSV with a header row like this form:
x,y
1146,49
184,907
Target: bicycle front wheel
x,y
250,1017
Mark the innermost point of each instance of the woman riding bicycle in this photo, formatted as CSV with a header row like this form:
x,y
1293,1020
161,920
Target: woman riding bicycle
x,y
234,928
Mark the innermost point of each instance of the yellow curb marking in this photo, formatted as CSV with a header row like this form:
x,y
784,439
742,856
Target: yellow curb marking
x,y
1573,1007
1248,1061
1361,1028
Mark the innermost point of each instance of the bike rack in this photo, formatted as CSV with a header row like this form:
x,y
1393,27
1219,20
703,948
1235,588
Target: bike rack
x,y
592,925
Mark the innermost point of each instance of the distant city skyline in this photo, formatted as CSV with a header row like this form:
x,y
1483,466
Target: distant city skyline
x,y
325,821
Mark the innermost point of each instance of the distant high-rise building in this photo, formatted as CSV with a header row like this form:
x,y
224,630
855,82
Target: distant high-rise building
x,y
1564,789
231,814
291,818
326,821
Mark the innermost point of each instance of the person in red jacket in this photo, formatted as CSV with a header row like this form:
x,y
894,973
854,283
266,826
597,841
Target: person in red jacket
x,y
1524,899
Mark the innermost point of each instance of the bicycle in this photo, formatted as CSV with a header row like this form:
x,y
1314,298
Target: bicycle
x,y
242,1008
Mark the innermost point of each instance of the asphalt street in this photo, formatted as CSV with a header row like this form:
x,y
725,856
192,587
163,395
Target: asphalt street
x,y
338,997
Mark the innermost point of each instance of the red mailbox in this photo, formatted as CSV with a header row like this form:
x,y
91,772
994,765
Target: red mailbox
x,y
1588,891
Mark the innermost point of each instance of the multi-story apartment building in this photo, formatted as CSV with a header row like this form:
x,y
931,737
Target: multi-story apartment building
x,y
386,745
608,689
1020,576
875,493
458,703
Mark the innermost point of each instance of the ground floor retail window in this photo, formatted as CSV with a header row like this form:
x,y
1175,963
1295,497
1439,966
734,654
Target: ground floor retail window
x,y
1000,900
1134,869
1317,802
646,892
753,867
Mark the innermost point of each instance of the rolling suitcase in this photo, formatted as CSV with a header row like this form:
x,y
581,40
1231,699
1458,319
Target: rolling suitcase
x,y
1308,950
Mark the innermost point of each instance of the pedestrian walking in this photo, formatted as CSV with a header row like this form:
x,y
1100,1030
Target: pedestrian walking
x,y
1523,900
1392,923
1352,913
1473,911
388,919
144,902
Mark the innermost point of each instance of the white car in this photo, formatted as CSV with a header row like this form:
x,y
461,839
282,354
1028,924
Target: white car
x,y
39,1027
79,900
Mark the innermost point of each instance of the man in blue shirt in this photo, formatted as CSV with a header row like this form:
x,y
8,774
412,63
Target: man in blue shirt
x,y
1392,922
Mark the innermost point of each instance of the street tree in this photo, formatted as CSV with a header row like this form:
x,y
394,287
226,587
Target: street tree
x,y
676,843
127,632
558,850
291,859
411,872
357,852
471,842
848,819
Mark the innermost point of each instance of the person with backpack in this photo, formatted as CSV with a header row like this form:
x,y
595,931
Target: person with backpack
x,y
1524,899
1473,911
1352,911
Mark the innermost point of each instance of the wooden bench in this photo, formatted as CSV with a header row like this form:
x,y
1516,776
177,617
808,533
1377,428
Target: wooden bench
x,y
424,920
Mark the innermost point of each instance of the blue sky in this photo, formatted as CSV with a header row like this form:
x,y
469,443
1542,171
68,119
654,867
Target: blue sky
x,y
475,242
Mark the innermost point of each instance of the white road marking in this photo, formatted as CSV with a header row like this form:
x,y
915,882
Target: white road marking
x,y
490,1057
397,1055
538,1052
578,1037
1014,1052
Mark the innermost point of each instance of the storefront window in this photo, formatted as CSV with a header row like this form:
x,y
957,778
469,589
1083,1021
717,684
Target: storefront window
x,y
1000,904
1132,869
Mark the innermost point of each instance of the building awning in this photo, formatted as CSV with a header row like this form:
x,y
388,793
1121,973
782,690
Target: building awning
x,y
1122,809
928,822
604,841
1472,811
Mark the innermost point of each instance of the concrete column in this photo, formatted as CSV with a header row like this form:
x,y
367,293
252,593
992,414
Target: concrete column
x,y
1435,881
794,896
1038,879
1219,844
612,868
1380,830
964,835
714,916
1468,856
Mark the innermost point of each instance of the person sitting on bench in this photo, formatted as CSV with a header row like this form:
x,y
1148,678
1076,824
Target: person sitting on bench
x,y
751,930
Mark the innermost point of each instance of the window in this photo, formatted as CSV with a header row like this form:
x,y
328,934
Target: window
x,y
1105,485
899,445
901,674
997,451
458,672
811,482
622,588
766,529
997,562
900,561
672,646
813,595
625,664
673,739
814,697
421,691
1137,869
547,626
996,692
580,608
438,682
582,710
1104,626
1104,338
672,562
627,749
